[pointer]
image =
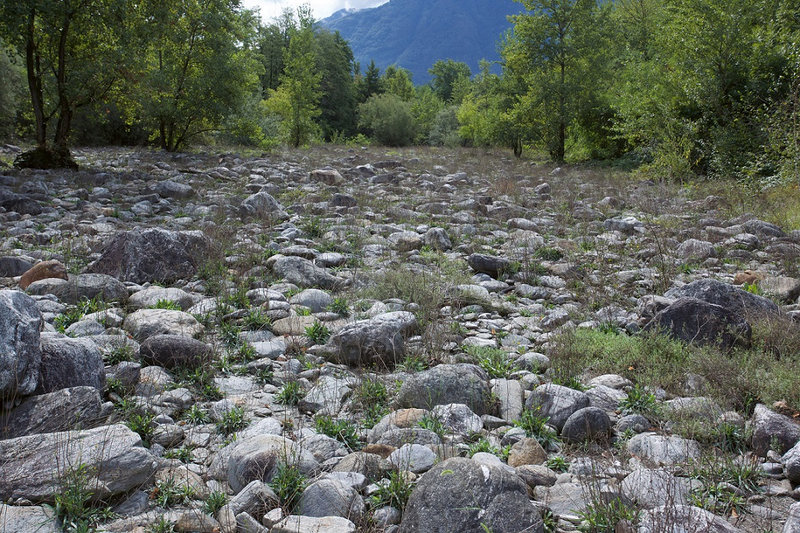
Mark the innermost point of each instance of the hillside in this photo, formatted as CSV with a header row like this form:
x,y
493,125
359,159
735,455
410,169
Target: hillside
x,y
415,33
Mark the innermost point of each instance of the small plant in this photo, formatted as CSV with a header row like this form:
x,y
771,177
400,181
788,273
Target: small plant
x,y
494,361
731,438
599,517
264,375
183,454
196,415
341,430
141,423
546,253
290,394
303,311
215,501
73,503
167,304
246,353
167,493
120,353
340,307
413,363
162,525
229,333
256,320
373,398
549,521
557,464
752,288
288,484
483,445
318,333
536,427
432,423
393,491
232,421
639,401
313,227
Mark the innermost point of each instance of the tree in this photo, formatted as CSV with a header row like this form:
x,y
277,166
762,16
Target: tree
x,y
370,83
196,72
397,81
12,89
338,99
296,99
388,119
446,74
75,52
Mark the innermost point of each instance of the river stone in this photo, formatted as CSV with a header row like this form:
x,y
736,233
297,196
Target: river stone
x,y
304,273
11,266
662,449
153,295
488,264
175,351
589,423
672,518
258,458
791,463
732,298
556,402
146,323
770,427
792,524
33,465
33,519
697,321
652,488
256,499
310,524
460,495
458,418
68,362
526,451
20,353
376,341
80,287
315,299
328,497
264,206
446,384
413,457
65,409
153,254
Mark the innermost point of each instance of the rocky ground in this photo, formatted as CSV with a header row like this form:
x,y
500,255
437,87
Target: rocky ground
x,y
351,339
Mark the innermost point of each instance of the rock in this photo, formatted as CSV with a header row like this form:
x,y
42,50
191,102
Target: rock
x,y
20,353
20,203
461,495
458,418
328,497
43,270
627,225
695,250
488,264
732,298
80,287
662,449
32,519
183,480
171,351
537,475
791,464
701,322
153,295
342,200
510,396
153,254
309,524
672,518
376,341
589,423
526,451
652,488
414,458
405,241
792,524
772,428
304,273
263,206
68,362
445,384
414,435
556,402
328,176
11,266
65,409
315,299
257,458
195,522
114,457
783,288
173,189
326,396
146,323
256,499
437,239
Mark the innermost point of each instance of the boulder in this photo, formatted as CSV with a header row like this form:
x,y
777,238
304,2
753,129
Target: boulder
x,y
732,298
695,250
68,362
588,423
652,488
43,270
264,206
526,451
113,456
792,524
328,497
437,239
378,341
315,299
458,418
65,409
310,524
150,297
34,519
171,351
701,322
255,499
461,495
446,384
662,449
771,428
81,287
20,352
672,518
791,464
304,273
488,264
146,323
556,402
153,254
11,266
414,458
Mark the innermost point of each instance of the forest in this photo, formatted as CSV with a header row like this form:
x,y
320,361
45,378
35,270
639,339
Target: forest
x,y
676,88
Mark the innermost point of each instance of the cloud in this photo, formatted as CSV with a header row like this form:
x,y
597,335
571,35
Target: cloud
x,y
322,8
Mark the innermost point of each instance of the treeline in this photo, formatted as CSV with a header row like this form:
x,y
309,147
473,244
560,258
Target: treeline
x,y
683,87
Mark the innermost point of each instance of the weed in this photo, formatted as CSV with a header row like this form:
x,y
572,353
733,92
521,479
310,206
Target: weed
x,y
73,503
232,421
303,311
162,525
216,500
264,375
549,521
599,517
313,227
640,401
290,394
342,430
546,253
141,423
494,361
432,423
288,484
536,427
393,491
340,307
167,304
246,353
318,333
373,398
167,493
557,464
413,363
229,333
256,320
120,353
183,454
483,445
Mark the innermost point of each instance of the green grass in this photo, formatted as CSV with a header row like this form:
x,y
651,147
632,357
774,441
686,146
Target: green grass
x,y
342,430
290,394
74,504
536,427
288,484
232,421
393,491
494,361
318,333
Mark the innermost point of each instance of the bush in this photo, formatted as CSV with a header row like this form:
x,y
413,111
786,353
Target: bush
x,y
288,484
494,361
388,119
444,131
394,491
536,427
341,430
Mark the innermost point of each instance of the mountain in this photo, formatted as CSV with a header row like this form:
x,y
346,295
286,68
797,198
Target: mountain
x,y
415,33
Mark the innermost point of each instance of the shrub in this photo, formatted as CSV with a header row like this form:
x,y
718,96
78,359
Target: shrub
x,y
495,361
536,427
388,119
232,421
290,394
73,504
288,484
318,333
640,401
373,398
342,430
168,493
216,500
393,491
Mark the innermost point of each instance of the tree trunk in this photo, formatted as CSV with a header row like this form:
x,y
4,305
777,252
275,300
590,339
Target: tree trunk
x,y
33,65
562,125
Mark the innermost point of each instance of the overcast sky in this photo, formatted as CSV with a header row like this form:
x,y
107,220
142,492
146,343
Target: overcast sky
x,y
322,8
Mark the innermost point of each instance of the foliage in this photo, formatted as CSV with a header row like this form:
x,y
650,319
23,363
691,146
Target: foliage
x,y
393,491
444,130
342,430
339,306
639,400
168,493
318,333
557,464
725,481
216,500
494,361
196,415
388,119
256,320
373,398
432,423
446,75
12,89
288,484
337,86
167,304
599,517
535,426
232,420
74,505
290,394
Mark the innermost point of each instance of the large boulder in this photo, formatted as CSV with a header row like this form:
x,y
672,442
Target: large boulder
x,y
651,488
589,423
462,495
153,254
378,341
663,449
20,354
773,429
446,384
65,409
172,351
673,518
701,322
146,323
81,287
556,402
329,497
151,296
791,463
33,519
262,205
304,273
312,524
792,524
113,457
68,362
732,298
488,264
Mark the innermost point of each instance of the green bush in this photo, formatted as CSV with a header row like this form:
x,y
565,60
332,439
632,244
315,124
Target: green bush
x,y
393,491
496,362
388,119
536,427
288,484
342,430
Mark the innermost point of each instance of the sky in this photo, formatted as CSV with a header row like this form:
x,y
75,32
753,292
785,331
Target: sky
x,y
322,8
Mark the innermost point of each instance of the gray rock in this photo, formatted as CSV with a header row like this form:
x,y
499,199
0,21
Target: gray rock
x,y
376,341
173,189
770,427
415,435
152,295
405,241
82,286
65,409
304,273
458,418
783,288
488,264
262,205
635,422
153,254
683,519
556,402
791,464
589,423
695,250
605,398
33,466
445,384
256,499
663,450
171,351
13,266
68,362
33,519
146,323
437,239
328,497
510,395
652,488
627,225
342,200
461,495
258,458
310,524
315,299
732,298
701,322
413,457
327,394
20,354
322,447
367,464
792,524
537,475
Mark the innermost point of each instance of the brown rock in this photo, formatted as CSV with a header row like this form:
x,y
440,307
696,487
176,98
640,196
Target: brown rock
x,y
748,276
384,450
407,418
526,452
43,270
